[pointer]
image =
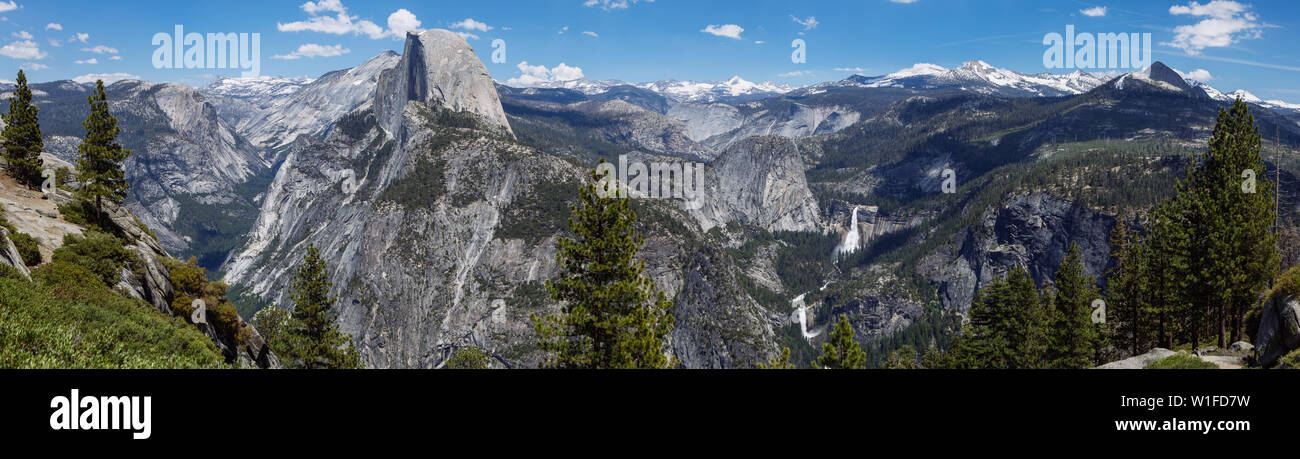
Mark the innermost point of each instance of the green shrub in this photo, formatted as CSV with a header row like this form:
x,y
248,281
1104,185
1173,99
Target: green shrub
x,y
1290,361
67,319
100,253
469,358
9,272
27,248
1181,361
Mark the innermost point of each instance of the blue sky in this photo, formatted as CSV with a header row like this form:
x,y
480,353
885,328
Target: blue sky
x,y
1234,45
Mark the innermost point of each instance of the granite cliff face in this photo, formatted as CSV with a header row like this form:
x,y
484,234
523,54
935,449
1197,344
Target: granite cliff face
x,y
438,67
1033,230
760,182
435,224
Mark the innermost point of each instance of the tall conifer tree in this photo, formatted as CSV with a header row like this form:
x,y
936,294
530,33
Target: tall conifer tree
x,y
22,136
613,316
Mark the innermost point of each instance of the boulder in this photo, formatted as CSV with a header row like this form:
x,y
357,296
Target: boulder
x,y
1242,346
1279,329
1138,362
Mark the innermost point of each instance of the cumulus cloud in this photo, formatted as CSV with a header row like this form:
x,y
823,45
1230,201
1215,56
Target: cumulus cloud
x,y
1200,75
312,50
849,69
33,66
53,26
1225,22
109,78
403,21
794,73
81,37
610,5
471,24
23,34
341,23
808,24
726,30
533,75
8,6
24,49
1096,11
87,61
590,33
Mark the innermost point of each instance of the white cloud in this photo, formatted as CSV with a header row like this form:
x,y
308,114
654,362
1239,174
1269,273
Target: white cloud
x,y
403,21
25,49
8,6
81,37
100,49
55,43
470,24
794,73
849,69
108,78
312,50
323,6
1226,22
342,23
903,1
1096,11
467,36
564,29
533,75
590,33
1200,75
87,61
115,58
726,30
53,26
759,42
34,66
808,24
610,5
23,34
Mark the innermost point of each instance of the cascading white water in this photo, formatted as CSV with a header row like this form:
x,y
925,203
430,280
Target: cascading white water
x,y
802,310
853,239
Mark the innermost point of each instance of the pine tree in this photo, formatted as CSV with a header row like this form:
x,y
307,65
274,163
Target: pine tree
x,y
1006,329
903,358
22,136
841,351
1171,276
1072,337
100,167
613,316
312,339
1128,290
781,362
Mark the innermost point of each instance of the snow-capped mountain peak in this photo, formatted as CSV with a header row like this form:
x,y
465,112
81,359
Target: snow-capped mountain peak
x,y
980,76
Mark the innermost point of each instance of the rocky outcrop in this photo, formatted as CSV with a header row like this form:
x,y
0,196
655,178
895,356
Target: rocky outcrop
x,y
1279,329
440,68
716,325
760,182
9,254
1032,230
1138,362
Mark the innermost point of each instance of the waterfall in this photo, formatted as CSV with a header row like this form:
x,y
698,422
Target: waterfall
x,y
853,239
802,310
